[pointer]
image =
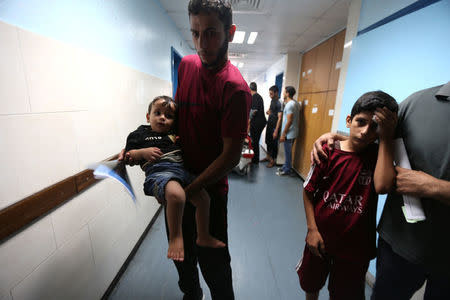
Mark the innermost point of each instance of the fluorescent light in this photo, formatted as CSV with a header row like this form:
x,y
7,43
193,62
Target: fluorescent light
x,y
252,37
239,37
348,44
241,64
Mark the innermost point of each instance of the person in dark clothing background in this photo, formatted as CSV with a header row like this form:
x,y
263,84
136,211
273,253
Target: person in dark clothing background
x,y
272,143
257,120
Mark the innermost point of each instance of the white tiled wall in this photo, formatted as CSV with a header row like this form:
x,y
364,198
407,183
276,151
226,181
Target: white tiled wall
x,y
61,109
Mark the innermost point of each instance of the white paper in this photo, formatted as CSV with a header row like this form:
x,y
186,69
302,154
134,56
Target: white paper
x,y
116,170
314,110
331,112
413,210
338,65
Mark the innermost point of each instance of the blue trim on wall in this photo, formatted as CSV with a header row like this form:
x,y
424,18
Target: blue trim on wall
x,y
402,12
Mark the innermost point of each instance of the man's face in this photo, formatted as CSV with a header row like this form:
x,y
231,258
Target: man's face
x,y
273,95
210,38
284,95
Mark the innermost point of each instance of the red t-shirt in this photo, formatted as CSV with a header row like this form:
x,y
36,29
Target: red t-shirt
x,y
211,105
345,202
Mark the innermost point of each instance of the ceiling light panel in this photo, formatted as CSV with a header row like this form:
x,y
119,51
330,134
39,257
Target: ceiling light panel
x,y
252,37
239,37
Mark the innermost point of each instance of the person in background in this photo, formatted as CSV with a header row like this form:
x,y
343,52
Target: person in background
x,y
340,198
289,130
257,120
272,112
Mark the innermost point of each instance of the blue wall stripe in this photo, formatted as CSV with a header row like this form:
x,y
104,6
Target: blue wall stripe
x,y
407,10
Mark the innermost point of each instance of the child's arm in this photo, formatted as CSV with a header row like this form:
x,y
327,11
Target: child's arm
x,y
150,154
384,177
314,239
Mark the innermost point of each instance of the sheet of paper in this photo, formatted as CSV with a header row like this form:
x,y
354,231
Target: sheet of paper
x,y
116,170
413,210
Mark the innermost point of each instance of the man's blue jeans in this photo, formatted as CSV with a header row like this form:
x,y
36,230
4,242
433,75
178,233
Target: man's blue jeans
x,y
287,167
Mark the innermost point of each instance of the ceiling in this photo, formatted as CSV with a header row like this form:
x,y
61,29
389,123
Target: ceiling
x,y
282,26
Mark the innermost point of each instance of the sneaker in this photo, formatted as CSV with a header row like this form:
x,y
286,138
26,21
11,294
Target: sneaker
x,y
283,173
279,169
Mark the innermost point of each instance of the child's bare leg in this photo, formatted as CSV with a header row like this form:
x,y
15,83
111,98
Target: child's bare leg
x,y
175,198
312,296
201,202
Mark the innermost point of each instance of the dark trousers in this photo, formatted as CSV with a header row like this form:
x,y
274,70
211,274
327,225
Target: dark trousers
x,y
399,279
214,263
272,144
255,134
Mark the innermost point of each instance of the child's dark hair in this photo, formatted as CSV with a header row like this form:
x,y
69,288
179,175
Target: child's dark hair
x,y
371,100
220,7
167,101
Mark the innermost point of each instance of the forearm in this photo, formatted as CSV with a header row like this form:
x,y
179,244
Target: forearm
x,y
286,128
309,210
218,168
438,189
384,177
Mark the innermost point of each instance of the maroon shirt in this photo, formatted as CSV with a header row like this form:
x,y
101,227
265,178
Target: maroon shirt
x,y
345,202
211,105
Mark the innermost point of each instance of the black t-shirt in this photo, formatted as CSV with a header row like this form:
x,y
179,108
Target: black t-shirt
x,y
144,137
258,120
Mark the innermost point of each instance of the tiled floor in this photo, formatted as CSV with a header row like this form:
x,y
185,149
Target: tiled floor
x,y
267,229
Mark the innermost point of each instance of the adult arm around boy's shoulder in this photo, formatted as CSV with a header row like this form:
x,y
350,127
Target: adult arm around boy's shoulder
x,y
384,176
317,153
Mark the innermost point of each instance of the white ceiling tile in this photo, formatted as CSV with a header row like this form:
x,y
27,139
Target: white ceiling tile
x,y
302,8
339,11
181,20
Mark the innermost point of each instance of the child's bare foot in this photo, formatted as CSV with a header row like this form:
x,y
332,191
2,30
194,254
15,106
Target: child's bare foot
x,y
209,241
176,249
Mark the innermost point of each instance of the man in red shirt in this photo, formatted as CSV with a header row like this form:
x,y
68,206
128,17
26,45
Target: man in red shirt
x,y
214,103
213,107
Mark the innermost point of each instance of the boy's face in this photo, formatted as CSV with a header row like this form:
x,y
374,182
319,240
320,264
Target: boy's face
x,y
210,39
161,117
363,129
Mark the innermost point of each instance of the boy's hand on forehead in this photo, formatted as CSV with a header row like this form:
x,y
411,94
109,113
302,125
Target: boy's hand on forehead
x,y
387,121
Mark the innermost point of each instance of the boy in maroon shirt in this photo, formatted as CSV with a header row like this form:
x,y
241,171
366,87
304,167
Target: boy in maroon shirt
x,y
340,198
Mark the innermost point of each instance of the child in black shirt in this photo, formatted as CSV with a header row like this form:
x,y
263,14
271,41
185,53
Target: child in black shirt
x,y
155,148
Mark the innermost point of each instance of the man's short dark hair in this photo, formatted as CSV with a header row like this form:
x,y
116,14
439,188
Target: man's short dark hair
x,y
253,86
290,90
371,100
274,89
220,7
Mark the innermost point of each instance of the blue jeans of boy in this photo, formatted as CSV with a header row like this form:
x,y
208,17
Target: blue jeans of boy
x,y
287,168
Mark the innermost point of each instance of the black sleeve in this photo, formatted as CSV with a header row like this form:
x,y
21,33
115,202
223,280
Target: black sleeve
x,y
133,141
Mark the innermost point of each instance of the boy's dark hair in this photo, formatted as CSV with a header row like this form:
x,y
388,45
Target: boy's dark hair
x,y
220,7
167,101
290,90
253,86
371,100
274,89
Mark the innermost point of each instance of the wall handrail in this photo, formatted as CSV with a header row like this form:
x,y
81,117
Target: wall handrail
x,y
20,214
